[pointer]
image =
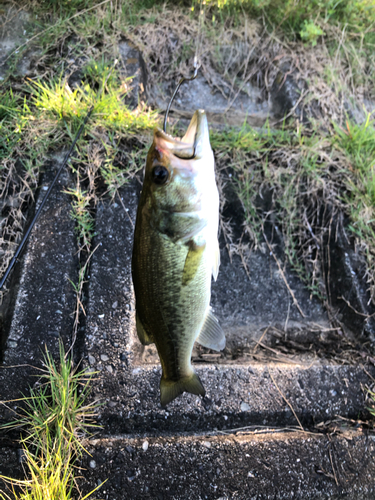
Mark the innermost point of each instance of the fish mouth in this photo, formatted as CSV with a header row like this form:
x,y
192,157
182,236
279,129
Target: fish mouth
x,y
192,144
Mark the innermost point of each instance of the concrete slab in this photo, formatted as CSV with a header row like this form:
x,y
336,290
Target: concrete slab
x,y
247,106
256,466
45,300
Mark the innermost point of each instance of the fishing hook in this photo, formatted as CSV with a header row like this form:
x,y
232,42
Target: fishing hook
x,y
183,79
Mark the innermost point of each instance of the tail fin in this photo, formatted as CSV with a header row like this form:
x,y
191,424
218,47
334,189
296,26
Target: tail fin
x,y
169,390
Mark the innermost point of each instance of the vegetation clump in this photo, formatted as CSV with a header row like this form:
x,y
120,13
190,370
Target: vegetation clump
x,y
55,419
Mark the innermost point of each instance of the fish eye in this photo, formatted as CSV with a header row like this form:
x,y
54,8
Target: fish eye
x,y
160,175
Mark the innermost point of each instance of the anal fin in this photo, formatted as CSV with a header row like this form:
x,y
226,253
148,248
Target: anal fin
x,y
211,335
143,336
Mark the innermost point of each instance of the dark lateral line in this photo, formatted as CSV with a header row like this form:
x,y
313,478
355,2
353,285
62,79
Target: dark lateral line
x,y
27,234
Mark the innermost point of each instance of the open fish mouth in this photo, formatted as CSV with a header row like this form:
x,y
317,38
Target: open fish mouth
x,y
192,144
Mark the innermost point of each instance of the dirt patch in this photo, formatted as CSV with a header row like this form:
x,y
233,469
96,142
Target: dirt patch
x,y
246,64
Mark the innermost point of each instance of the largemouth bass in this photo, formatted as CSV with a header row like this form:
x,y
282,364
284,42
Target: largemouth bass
x,y
175,253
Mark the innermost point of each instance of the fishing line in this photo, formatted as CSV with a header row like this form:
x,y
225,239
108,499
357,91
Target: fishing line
x,y
65,161
197,62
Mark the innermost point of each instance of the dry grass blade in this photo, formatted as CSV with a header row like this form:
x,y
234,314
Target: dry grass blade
x,y
295,302
286,401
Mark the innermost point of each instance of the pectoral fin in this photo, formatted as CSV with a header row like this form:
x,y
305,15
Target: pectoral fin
x,y
192,261
178,226
211,335
143,336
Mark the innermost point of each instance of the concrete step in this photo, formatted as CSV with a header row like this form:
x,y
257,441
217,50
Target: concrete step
x,y
264,464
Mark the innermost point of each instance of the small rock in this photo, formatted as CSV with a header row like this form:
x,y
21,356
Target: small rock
x,y
12,343
92,464
114,305
104,357
92,360
22,457
58,311
112,404
244,406
122,356
109,368
100,316
206,444
145,445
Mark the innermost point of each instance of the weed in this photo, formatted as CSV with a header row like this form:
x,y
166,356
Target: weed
x,y
58,101
21,156
81,215
55,419
311,32
358,144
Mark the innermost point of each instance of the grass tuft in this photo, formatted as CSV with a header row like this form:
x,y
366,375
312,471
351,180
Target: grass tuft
x,y
54,421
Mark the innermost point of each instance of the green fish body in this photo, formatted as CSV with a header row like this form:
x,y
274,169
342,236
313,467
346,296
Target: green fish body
x,y
175,253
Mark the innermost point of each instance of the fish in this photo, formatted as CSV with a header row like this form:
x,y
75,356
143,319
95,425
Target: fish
x,y
175,253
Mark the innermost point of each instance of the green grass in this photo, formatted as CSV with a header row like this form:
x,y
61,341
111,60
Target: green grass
x,y
58,102
54,420
292,14
81,215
